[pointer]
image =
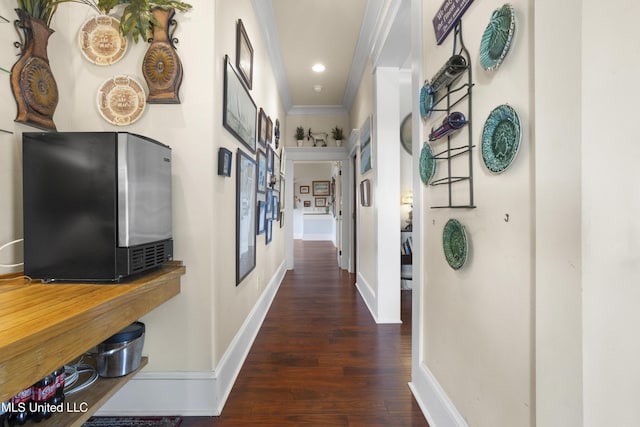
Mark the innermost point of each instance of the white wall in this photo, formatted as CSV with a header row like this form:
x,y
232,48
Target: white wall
x,y
558,189
191,335
477,324
610,212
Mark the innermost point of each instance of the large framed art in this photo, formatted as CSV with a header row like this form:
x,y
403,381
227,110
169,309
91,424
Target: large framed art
x,y
239,111
246,206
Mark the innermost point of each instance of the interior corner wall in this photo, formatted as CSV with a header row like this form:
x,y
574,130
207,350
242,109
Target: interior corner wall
x,y
478,338
233,304
558,205
360,114
610,212
186,127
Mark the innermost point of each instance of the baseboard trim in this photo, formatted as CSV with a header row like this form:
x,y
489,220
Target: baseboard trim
x,y
367,295
202,393
436,406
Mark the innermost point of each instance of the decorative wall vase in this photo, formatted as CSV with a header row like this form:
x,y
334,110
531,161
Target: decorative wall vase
x,y
161,67
32,83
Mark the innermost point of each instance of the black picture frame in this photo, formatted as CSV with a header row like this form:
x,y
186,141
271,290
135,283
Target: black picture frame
x,y
269,130
244,54
246,206
262,172
262,128
239,112
270,159
275,210
262,216
224,162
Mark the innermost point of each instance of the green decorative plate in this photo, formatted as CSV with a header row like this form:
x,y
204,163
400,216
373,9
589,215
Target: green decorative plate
x,y
500,138
455,245
497,37
405,134
427,164
427,99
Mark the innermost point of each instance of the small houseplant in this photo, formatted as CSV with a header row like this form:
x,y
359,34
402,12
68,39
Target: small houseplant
x,y
338,135
299,135
137,17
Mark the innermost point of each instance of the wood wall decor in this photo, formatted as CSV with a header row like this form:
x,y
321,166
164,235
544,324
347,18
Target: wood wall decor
x,y
32,83
161,67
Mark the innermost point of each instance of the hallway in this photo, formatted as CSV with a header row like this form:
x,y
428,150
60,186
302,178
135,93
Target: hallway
x,y
320,359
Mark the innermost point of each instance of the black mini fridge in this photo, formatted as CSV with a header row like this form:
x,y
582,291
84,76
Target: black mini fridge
x,y
96,205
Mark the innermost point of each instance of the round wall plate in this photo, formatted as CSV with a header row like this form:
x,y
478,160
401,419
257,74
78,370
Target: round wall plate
x,y
455,244
501,138
100,40
121,100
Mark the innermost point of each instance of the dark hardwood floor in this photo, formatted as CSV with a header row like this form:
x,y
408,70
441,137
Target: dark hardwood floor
x,y
320,359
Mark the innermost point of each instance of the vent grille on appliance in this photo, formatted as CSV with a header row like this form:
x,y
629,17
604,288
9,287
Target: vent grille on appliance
x,y
148,257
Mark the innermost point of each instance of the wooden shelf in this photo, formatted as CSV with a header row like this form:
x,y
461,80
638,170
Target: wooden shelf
x,y
44,326
91,398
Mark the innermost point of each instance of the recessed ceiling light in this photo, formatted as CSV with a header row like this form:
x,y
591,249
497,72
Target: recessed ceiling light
x,y
318,68
317,88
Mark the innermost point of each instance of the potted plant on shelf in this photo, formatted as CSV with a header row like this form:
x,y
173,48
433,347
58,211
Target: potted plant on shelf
x,y
338,135
299,135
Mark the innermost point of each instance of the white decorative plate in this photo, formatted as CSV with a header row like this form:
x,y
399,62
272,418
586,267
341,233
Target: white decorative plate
x,y
121,100
100,40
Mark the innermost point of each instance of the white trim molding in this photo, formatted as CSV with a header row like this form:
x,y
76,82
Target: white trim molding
x,y
317,110
194,393
434,402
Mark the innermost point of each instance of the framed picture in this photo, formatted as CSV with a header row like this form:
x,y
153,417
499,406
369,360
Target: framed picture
x,y
262,172
245,216
321,202
269,130
269,232
261,216
262,128
239,111
304,189
275,210
307,203
321,188
365,190
244,54
270,158
269,203
276,171
224,162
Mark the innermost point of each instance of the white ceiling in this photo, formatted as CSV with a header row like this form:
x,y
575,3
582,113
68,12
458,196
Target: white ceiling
x,y
338,33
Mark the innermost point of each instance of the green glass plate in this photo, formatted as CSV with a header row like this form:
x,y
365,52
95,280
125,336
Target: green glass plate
x,y
405,134
500,138
497,37
455,245
427,164
427,99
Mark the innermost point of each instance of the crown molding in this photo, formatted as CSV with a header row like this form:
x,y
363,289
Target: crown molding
x,y
362,52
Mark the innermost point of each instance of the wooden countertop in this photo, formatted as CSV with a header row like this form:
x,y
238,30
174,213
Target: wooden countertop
x,y
44,326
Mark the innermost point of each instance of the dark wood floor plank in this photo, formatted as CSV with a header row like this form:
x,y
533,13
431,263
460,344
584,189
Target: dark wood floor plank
x,y
320,359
